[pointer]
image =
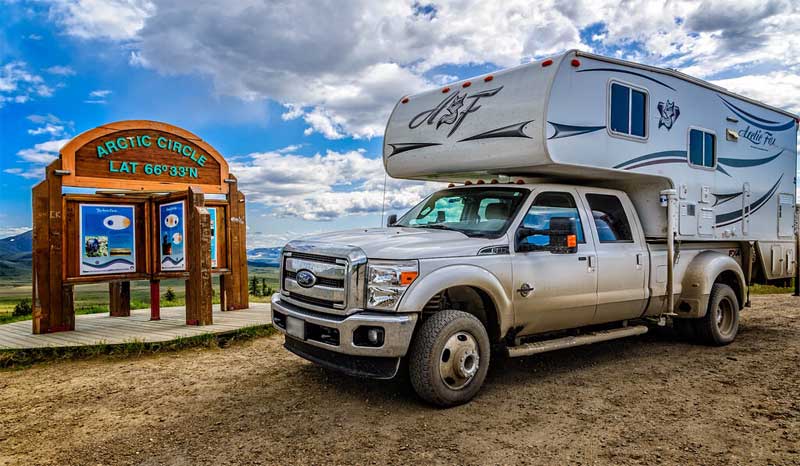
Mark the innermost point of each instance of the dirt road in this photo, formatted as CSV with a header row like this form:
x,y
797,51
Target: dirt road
x,y
645,400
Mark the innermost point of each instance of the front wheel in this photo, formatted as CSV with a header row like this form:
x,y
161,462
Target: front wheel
x,y
449,358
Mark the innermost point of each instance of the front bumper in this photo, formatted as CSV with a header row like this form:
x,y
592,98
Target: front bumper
x,y
398,329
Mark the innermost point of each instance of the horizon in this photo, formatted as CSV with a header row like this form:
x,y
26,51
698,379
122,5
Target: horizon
x,y
296,96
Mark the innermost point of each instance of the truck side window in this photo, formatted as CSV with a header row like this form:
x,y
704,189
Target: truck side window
x,y
628,112
546,206
609,218
702,150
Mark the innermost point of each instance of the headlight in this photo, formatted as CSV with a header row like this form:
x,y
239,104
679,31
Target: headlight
x,y
387,281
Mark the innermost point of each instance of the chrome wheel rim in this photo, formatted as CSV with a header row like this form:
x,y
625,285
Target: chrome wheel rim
x,y
459,361
725,317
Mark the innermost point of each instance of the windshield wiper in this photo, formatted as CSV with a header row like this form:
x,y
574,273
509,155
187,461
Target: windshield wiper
x,y
437,226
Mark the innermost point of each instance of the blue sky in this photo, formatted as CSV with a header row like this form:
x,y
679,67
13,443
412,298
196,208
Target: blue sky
x,y
295,94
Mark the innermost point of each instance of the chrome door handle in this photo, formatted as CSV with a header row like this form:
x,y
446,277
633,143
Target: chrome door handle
x,y
525,290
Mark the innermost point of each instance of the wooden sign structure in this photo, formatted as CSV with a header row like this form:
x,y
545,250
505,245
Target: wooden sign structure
x,y
156,223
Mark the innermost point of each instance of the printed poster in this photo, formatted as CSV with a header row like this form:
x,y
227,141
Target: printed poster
x,y
212,211
108,239
172,231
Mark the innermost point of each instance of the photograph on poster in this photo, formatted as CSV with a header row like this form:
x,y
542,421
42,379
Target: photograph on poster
x,y
172,233
212,211
108,239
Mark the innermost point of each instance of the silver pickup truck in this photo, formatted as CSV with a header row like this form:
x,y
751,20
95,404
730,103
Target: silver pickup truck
x,y
505,266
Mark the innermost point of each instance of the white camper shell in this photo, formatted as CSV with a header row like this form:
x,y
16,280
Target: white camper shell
x,y
582,118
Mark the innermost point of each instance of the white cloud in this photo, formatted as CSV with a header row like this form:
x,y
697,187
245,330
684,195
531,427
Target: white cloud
x,y
61,70
19,85
340,66
51,129
42,153
100,93
111,19
31,173
323,186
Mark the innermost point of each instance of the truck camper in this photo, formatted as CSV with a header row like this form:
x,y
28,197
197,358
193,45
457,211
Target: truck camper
x,y
589,198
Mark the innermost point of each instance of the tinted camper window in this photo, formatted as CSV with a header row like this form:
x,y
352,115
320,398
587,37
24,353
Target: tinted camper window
x,y
702,148
628,112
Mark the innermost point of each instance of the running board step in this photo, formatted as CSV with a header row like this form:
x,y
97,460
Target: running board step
x,y
537,347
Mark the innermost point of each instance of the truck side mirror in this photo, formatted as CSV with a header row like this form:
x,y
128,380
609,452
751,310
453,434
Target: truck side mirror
x,y
391,220
562,234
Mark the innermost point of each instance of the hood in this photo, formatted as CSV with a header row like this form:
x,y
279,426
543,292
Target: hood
x,y
408,243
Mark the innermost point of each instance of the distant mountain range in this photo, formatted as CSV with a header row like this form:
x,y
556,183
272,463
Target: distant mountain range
x,y
15,256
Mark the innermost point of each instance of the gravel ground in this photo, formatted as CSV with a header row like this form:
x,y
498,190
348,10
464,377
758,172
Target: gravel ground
x,y
643,400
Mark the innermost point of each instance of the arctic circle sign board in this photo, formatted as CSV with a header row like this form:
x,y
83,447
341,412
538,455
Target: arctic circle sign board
x,y
149,219
143,155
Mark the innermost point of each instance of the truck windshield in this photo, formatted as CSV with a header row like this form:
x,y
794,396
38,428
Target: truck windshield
x,y
472,211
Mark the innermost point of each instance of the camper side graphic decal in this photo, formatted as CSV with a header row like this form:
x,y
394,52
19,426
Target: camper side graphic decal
x,y
669,113
679,156
758,122
451,110
616,70
510,131
565,131
735,216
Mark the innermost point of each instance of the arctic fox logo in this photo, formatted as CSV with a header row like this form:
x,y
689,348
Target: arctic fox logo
x,y
669,113
451,110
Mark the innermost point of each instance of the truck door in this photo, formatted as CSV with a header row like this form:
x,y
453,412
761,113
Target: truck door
x,y
553,291
621,257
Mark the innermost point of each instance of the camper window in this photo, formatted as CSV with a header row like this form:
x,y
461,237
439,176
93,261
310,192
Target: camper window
x,y
609,218
627,111
702,148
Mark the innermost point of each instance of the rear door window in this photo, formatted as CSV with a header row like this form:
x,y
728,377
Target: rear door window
x,y
609,218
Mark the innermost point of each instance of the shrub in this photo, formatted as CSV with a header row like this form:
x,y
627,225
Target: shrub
x,y
169,295
23,308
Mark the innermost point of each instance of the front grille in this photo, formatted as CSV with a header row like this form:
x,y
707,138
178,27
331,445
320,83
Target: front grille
x,y
314,301
321,280
316,257
329,290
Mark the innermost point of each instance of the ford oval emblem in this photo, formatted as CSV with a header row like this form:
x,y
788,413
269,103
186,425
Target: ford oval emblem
x,y
306,278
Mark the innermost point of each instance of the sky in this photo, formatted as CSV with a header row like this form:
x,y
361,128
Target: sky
x,y
296,94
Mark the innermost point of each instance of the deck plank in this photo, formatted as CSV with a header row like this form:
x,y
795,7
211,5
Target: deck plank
x,y
93,329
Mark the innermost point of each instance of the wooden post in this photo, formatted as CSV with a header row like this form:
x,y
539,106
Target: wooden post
x,y
236,290
155,300
119,299
198,255
53,308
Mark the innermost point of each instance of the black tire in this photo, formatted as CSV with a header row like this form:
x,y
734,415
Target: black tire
x,y
721,323
430,356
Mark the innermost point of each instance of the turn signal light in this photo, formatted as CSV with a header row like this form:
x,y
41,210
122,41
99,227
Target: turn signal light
x,y
520,181
406,278
466,84
572,241
467,183
404,101
575,62
481,182
494,181
547,62
488,78
445,90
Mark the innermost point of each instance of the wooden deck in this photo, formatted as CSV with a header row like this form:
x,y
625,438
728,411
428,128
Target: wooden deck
x,y
93,329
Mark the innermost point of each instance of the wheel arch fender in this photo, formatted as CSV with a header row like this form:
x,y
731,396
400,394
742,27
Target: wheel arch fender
x,y
429,285
706,269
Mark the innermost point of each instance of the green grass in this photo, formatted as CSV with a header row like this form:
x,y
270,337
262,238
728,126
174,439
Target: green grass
x,y
130,349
